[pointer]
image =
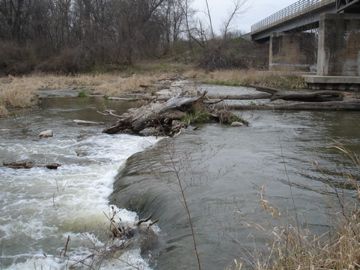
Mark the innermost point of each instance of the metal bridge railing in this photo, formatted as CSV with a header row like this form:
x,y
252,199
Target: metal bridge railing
x,y
298,8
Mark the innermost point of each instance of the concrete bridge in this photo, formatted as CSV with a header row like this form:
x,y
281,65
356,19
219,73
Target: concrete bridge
x,y
333,51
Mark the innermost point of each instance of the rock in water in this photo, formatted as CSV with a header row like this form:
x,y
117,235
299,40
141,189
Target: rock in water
x,y
237,124
30,164
46,134
53,166
19,165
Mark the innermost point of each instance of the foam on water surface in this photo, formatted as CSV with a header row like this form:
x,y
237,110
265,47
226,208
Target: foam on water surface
x,y
40,207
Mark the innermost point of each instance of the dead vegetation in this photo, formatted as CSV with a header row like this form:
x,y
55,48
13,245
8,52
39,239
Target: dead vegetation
x,y
298,248
21,92
17,92
123,236
249,77
291,250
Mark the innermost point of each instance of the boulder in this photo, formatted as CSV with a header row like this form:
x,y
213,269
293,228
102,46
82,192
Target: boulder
x,y
237,124
46,134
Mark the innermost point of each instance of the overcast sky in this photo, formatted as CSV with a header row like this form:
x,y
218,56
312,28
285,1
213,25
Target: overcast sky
x,y
255,10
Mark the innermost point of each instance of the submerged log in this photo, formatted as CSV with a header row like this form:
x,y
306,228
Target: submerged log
x,y
30,165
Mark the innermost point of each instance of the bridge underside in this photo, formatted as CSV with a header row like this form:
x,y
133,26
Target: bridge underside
x,y
304,17
352,6
333,52
298,24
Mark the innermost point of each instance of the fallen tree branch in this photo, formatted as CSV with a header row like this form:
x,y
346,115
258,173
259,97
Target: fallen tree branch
x,y
109,113
143,220
64,250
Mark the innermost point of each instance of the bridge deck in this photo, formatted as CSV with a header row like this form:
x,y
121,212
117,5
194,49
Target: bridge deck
x,y
298,9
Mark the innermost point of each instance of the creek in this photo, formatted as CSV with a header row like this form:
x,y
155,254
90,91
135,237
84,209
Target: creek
x,y
222,168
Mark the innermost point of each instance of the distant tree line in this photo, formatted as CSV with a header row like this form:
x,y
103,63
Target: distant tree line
x,y
75,35
89,31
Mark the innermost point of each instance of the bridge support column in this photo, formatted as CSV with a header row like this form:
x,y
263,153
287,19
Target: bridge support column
x,y
339,45
292,51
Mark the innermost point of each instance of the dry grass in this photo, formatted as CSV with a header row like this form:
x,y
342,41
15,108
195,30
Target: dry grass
x,y
20,92
291,250
105,84
300,250
294,248
235,77
17,93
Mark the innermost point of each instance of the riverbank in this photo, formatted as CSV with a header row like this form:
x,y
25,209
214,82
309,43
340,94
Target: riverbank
x,y
239,77
21,92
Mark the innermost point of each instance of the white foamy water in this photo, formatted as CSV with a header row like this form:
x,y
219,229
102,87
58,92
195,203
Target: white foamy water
x,y
39,208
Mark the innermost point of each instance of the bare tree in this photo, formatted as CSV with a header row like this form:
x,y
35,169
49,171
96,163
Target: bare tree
x,y
236,11
210,19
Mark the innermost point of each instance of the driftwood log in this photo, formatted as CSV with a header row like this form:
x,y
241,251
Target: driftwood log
x,y
242,97
164,118
296,100
351,105
318,96
30,165
295,95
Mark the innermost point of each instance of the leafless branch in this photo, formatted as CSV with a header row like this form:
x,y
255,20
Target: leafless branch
x,y
237,10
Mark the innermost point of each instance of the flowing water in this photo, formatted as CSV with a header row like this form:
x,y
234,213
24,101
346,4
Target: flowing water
x,y
221,168
41,208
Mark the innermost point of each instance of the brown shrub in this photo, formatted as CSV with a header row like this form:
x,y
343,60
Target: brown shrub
x,y
69,61
234,53
239,77
15,60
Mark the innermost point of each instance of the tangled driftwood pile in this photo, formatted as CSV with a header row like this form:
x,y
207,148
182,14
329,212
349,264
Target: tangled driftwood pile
x,y
125,235
168,118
